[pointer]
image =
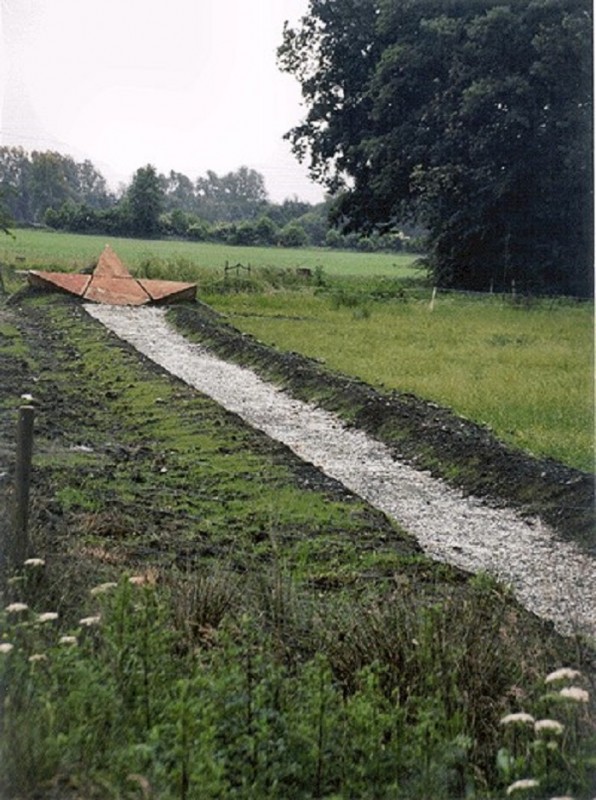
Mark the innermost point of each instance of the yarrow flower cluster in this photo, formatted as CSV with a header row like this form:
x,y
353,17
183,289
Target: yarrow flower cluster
x,y
520,716
546,731
34,562
575,693
70,640
37,657
548,726
103,588
522,785
6,647
88,622
16,608
562,674
48,616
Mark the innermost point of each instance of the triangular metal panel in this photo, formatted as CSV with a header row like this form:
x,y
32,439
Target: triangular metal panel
x,y
64,281
110,266
163,291
116,292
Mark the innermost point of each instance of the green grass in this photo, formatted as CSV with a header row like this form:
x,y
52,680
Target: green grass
x,y
240,497
31,249
127,702
288,641
525,372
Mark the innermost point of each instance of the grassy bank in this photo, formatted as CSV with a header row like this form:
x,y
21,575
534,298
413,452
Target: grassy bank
x,y
526,371
211,617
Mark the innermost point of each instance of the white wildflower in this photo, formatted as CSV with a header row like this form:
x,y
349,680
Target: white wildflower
x,y
34,562
575,693
38,657
566,797
524,783
67,640
47,616
147,578
548,726
103,588
16,608
521,716
562,674
6,647
90,621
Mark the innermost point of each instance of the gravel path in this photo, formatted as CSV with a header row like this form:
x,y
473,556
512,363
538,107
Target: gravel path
x,y
552,578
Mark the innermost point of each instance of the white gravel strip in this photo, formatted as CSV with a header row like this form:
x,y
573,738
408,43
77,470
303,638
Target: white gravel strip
x,y
554,579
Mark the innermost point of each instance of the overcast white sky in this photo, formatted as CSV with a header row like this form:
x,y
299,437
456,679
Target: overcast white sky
x,y
188,85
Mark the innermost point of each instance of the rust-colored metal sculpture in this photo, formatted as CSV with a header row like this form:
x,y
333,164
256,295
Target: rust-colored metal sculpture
x,y
111,283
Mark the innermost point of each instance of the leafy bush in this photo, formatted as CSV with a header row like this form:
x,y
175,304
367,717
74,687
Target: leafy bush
x,y
293,235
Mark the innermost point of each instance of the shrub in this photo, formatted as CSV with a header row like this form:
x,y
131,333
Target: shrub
x,y
293,235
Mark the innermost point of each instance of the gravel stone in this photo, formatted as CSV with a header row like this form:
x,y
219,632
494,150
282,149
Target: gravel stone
x,y
552,578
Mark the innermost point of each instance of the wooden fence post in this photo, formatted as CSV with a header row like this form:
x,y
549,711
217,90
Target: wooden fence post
x,y
19,546
432,299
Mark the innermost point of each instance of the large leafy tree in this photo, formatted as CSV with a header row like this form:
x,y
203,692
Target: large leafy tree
x,y
179,192
145,201
51,181
90,186
231,197
15,169
34,182
473,115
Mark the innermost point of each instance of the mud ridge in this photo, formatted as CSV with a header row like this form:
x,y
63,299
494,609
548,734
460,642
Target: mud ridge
x,y
421,433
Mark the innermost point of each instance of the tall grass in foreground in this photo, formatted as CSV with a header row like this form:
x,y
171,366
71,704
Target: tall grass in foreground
x,y
217,700
525,371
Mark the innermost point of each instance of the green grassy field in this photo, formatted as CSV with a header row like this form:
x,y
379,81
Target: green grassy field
x,y
525,372
207,616
64,251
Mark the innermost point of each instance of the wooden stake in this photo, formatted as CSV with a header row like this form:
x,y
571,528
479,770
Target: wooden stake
x,y
19,546
432,299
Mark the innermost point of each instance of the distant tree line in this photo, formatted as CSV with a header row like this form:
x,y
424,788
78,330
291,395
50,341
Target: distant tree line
x,y
30,183
52,189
